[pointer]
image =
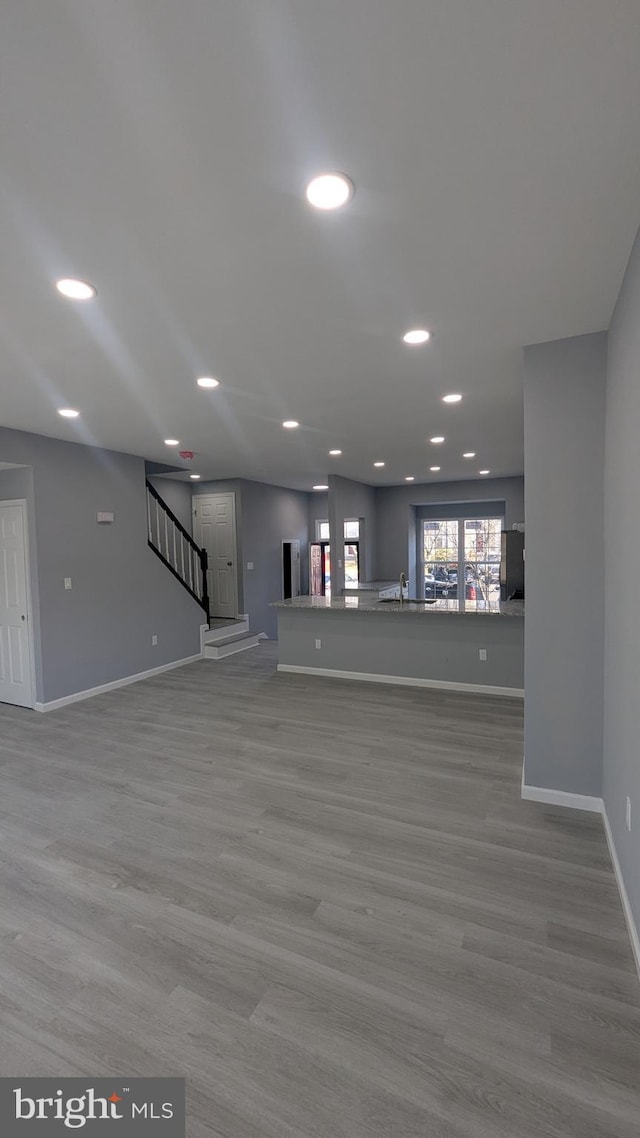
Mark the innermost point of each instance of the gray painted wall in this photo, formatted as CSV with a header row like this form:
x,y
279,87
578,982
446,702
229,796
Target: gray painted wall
x,y
621,775
350,499
271,515
318,511
266,516
397,506
122,594
428,646
564,409
177,495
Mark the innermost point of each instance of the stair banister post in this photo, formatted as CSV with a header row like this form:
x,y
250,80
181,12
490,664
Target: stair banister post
x,y
204,564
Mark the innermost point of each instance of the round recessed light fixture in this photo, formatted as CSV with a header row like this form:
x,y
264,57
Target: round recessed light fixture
x,y
194,477
484,472
469,454
378,464
68,413
330,191
451,398
409,478
172,442
76,290
437,439
334,452
290,424
417,336
434,468
320,486
207,381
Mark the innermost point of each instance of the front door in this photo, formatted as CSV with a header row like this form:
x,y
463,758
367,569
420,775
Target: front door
x,y
215,531
15,640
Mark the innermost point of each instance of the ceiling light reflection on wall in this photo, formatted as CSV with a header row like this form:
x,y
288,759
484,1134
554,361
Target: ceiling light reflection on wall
x,y
75,289
330,191
207,381
451,398
68,413
290,424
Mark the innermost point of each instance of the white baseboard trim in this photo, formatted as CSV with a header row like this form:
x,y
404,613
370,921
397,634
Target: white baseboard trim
x,y
562,798
405,681
75,697
624,896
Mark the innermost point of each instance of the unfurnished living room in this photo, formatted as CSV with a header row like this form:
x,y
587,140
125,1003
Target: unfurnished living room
x,y
319,548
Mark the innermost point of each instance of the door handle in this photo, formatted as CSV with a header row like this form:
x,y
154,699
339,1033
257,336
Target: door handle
x,y
229,563
23,617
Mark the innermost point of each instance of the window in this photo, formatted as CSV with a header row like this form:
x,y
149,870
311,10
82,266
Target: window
x,y
351,551
461,558
321,577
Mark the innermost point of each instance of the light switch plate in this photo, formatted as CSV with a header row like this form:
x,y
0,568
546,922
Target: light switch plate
x,y
67,582
249,564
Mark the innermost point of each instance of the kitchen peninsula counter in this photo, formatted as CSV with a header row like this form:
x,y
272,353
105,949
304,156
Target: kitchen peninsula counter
x,y
370,604
424,645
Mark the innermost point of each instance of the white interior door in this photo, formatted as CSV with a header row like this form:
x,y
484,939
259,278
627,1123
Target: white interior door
x,y
215,531
15,637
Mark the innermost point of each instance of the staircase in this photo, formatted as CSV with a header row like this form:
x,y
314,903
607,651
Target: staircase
x,y
226,638
169,540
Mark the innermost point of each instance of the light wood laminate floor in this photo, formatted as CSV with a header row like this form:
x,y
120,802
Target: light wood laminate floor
x,y
322,902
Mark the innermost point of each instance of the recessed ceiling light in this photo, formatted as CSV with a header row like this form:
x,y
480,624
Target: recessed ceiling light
x,y
68,413
417,336
172,442
469,454
207,381
291,424
378,464
335,452
76,290
484,472
437,439
195,477
320,487
330,191
409,478
434,468
451,398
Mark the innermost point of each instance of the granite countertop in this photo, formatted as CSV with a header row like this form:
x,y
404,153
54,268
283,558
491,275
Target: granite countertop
x,y
369,604
370,586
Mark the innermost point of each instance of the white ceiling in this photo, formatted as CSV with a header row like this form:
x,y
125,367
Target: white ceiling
x,y
160,149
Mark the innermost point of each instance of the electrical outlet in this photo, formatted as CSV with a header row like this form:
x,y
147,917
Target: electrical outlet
x,y
67,582
483,654
154,641
318,644
249,564
628,813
